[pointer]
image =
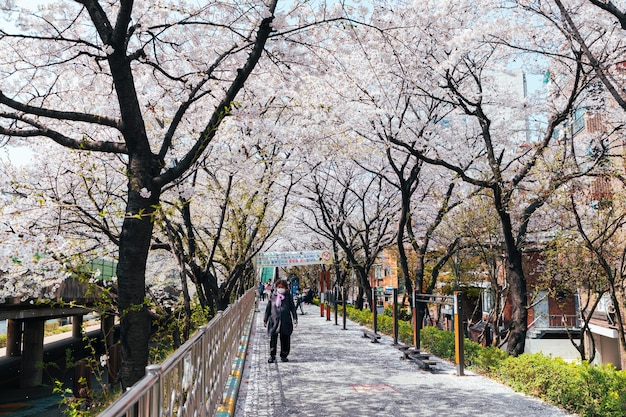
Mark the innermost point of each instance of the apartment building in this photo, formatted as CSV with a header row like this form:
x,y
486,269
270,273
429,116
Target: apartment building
x,y
596,125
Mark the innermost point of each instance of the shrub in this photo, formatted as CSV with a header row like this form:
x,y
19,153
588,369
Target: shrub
x,y
405,332
604,392
581,388
403,314
489,359
536,374
438,342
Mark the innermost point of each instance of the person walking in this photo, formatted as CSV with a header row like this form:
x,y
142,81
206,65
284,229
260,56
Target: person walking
x,y
299,301
261,291
268,290
280,319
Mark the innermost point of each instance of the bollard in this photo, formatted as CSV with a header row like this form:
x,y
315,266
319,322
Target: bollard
x,y
374,311
335,303
328,301
416,326
345,313
322,289
329,292
395,316
458,333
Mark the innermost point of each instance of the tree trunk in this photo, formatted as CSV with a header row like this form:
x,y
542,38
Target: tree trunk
x,y
518,294
402,224
135,242
364,283
358,303
519,300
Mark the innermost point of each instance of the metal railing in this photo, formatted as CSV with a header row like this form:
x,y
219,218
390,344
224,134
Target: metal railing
x,y
564,320
192,380
555,322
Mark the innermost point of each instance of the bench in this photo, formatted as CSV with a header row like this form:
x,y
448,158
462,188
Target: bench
x,y
421,359
370,334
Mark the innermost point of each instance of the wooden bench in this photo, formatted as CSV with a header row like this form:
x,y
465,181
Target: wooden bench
x,y
370,334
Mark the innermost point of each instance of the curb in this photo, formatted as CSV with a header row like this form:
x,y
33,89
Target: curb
x,y
231,390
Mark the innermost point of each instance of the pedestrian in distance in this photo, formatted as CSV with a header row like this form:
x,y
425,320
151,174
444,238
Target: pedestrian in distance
x,y
299,301
261,291
308,296
280,319
268,290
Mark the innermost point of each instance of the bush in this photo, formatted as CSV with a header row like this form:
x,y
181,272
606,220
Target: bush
x,y
403,314
363,317
3,340
577,387
488,359
438,342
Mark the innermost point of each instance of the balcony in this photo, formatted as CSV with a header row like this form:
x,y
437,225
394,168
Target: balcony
x,y
556,326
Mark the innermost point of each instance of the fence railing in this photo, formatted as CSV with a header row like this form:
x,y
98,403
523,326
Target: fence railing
x,y
191,381
568,320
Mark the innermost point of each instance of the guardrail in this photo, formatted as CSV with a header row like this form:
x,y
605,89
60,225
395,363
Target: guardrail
x,y
564,320
191,381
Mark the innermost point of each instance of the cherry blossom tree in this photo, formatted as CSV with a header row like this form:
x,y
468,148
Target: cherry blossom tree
x,y
355,210
477,126
597,27
58,214
138,82
235,211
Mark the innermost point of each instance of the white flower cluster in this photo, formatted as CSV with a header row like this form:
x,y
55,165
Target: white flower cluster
x,y
145,193
28,268
108,49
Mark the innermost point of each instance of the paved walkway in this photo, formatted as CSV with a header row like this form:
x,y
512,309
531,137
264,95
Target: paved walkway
x,y
334,372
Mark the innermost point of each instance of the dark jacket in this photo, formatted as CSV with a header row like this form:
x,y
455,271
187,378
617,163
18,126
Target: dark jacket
x,y
279,319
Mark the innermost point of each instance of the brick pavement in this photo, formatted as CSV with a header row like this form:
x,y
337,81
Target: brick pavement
x,y
334,372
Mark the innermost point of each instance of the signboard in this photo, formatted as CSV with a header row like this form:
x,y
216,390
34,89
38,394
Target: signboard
x,y
295,284
267,274
311,257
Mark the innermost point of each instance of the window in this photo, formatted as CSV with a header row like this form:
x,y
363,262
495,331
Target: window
x,y
378,272
579,120
488,302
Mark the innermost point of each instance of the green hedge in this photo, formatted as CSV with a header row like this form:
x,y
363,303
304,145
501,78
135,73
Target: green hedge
x,y
581,388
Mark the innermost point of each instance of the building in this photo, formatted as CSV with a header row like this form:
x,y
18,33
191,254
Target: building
x,y
594,128
384,277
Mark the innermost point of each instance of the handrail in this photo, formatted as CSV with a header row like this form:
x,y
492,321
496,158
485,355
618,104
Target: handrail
x,y
191,381
557,321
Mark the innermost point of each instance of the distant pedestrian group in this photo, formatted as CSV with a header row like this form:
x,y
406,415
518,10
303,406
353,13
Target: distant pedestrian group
x,y
264,290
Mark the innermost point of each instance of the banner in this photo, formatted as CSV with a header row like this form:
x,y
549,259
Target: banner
x,y
311,257
267,274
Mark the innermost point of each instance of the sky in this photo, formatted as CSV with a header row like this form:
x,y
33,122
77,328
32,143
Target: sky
x,y
17,155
